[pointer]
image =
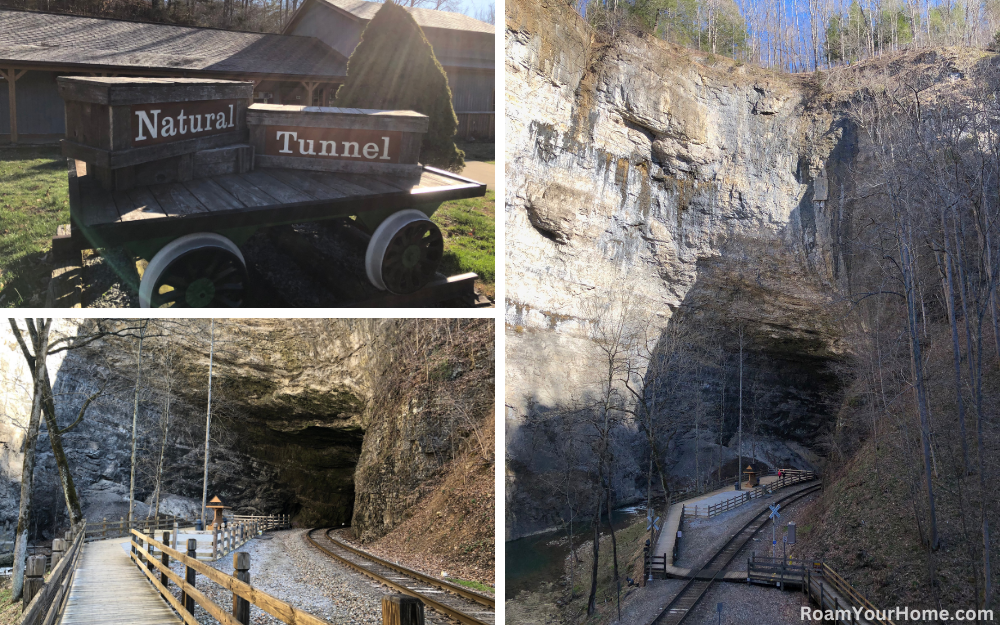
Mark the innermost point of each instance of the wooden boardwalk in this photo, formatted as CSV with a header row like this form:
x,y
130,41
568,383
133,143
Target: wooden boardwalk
x,y
108,589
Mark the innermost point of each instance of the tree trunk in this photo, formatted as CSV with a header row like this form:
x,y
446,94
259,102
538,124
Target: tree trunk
x,y
40,339
55,440
208,426
592,600
135,420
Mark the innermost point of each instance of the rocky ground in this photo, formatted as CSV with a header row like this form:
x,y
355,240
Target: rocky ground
x,y
284,566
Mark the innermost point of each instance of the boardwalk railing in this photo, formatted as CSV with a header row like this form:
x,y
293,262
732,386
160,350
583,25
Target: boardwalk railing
x,y
117,529
46,605
779,571
830,591
787,479
269,522
244,595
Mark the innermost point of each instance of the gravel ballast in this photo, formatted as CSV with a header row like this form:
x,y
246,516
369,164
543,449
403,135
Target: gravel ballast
x,y
283,565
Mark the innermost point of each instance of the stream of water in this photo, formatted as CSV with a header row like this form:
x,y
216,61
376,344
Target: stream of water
x,y
540,558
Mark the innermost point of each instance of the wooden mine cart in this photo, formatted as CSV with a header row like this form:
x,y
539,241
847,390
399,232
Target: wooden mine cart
x,y
181,172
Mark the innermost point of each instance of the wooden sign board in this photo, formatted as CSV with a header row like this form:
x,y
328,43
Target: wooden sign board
x,y
336,139
167,122
114,123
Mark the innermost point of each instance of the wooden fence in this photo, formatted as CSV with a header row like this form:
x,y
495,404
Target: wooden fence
x,y
244,595
479,125
46,604
818,588
117,529
269,522
779,571
788,478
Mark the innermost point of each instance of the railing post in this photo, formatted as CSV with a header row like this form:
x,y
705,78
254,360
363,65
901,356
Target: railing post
x,y
402,610
646,564
215,542
165,560
104,528
34,572
58,549
241,571
121,526
189,575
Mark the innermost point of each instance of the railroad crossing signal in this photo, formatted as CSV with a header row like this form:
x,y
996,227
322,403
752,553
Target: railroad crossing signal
x,y
775,515
652,523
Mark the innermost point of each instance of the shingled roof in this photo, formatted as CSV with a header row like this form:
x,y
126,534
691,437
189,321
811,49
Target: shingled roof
x,y
67,40
427,18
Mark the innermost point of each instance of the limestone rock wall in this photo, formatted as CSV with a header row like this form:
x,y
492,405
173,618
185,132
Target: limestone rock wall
x,y
290,412
631,161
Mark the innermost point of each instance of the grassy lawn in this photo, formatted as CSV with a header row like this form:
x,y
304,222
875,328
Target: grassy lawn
x,y
469,231
478,151
34,200
473,585
10,611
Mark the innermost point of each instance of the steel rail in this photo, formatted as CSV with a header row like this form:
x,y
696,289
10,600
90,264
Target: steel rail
x,y
693,583
432,581
437,605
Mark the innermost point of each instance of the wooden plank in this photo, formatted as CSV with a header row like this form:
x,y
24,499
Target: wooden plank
x,y
108,589
275,188
354,204
369,182
332,117
126,90
317,164
212,196
247,193
338,182
299,180
176,200
145,205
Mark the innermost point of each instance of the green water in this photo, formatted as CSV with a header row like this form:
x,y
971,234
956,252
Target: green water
x,y
540,558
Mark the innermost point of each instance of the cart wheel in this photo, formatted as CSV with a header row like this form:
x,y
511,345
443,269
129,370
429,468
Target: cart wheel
x,y
194,271
404,252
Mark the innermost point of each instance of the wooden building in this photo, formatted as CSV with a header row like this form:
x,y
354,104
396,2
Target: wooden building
x,y
304,65
36,47
463,45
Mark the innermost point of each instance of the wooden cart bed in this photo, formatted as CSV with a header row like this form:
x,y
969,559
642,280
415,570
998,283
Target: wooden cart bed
x,y
261,197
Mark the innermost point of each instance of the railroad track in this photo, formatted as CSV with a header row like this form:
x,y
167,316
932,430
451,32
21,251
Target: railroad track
x,y
691,593
451,600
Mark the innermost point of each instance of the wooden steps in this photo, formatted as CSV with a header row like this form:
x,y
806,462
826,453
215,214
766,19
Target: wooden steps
x,y
109,590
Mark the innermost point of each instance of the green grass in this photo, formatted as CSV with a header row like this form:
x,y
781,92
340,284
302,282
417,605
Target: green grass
x,y
469,231
34,200
472,585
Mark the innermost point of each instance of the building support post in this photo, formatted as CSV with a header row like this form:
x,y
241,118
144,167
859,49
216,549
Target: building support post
x,y
310,87
11,76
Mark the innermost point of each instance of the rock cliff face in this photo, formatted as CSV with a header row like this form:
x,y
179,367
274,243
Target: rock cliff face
x,y
291,406
632,162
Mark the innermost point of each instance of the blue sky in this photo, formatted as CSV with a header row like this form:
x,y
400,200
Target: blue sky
x,y
470,7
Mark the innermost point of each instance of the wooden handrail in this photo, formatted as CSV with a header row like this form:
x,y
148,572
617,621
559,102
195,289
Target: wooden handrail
x,y
272,605
45,606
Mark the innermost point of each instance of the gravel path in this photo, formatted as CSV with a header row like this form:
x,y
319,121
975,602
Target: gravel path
x,y
743,604
285,567
702,537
